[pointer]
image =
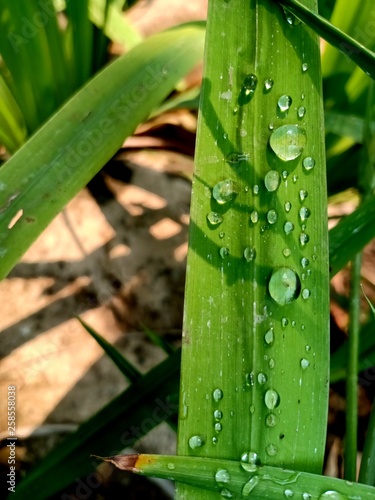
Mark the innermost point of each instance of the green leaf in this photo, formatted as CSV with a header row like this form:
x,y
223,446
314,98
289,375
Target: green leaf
x,y
81,137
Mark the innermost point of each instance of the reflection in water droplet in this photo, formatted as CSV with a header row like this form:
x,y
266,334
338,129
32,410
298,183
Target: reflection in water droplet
x,y
254,217
268,84
249,377
306,293
301,111
304,238
271,450
288,227
272,216
305,363
284,103
287,252
218,414
304,213
272,180
288,142
217,394
250,84
269,337
196,442
272,399
214,218
249,254
249,486
222,476
308,163
224,191
250,461
284,285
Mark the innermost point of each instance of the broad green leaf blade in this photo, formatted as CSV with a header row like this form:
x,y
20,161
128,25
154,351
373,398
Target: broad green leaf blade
x,y
360,54
120,424
351,234
255,353
242,479
126,368
75,143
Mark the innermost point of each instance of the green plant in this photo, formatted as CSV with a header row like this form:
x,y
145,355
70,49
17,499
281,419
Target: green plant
x,y
255,358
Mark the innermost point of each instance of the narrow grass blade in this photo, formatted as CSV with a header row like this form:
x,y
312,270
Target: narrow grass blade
x,y
255,353
77,141
367,470
12,125
120,424
242,479
361,55
158,341
126,368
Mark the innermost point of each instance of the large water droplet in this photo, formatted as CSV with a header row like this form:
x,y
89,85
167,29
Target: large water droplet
x,y
272,180
268,84
271,450
269,337
332,495
308,163
224,191
272,399
250,461
196,442
272,216
217,394
284,103
284,285
249,486
254,217
235,158
304,213
222,476
250,84
288,227
249,254
288,142
214,218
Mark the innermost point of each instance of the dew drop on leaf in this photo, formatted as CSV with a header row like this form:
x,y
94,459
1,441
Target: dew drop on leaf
x,y
249,254
288,227
305,363
214,218
249,486
287,252
254,217
217,394
284,103
305,293
305,67
272,216
272,399
288,142
308,163
272,180
268,84
332,495
304,262
288,493
304,213
222,476
262,378
284,285
250,461
224,252
304,238
196,442
271,450
301,111
250,84
269,337
224,191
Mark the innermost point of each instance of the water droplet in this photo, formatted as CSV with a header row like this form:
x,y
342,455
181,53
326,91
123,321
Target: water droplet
x,y
250,84
284,285
252,409
218,414
254,217
271,420
224,191
305,363
308,163
284,103
284,322
271,126
303,97
306,496
287,206
304,213
272,216
271,399
308,348
249,377
255,189
306,293
215,440
302,195
272,180
196,442
171,466
304,262
269,337
271,364
301,111
271,450
285,174
295,178
287,252
332,495
250,461
268,84
235,158
290,18
288,227
214,218
222,476
221,235
304,238
249,486
224,252
262,378
226,493
288,493
305,67
249,254
218,427
225,136
288,142
217,394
